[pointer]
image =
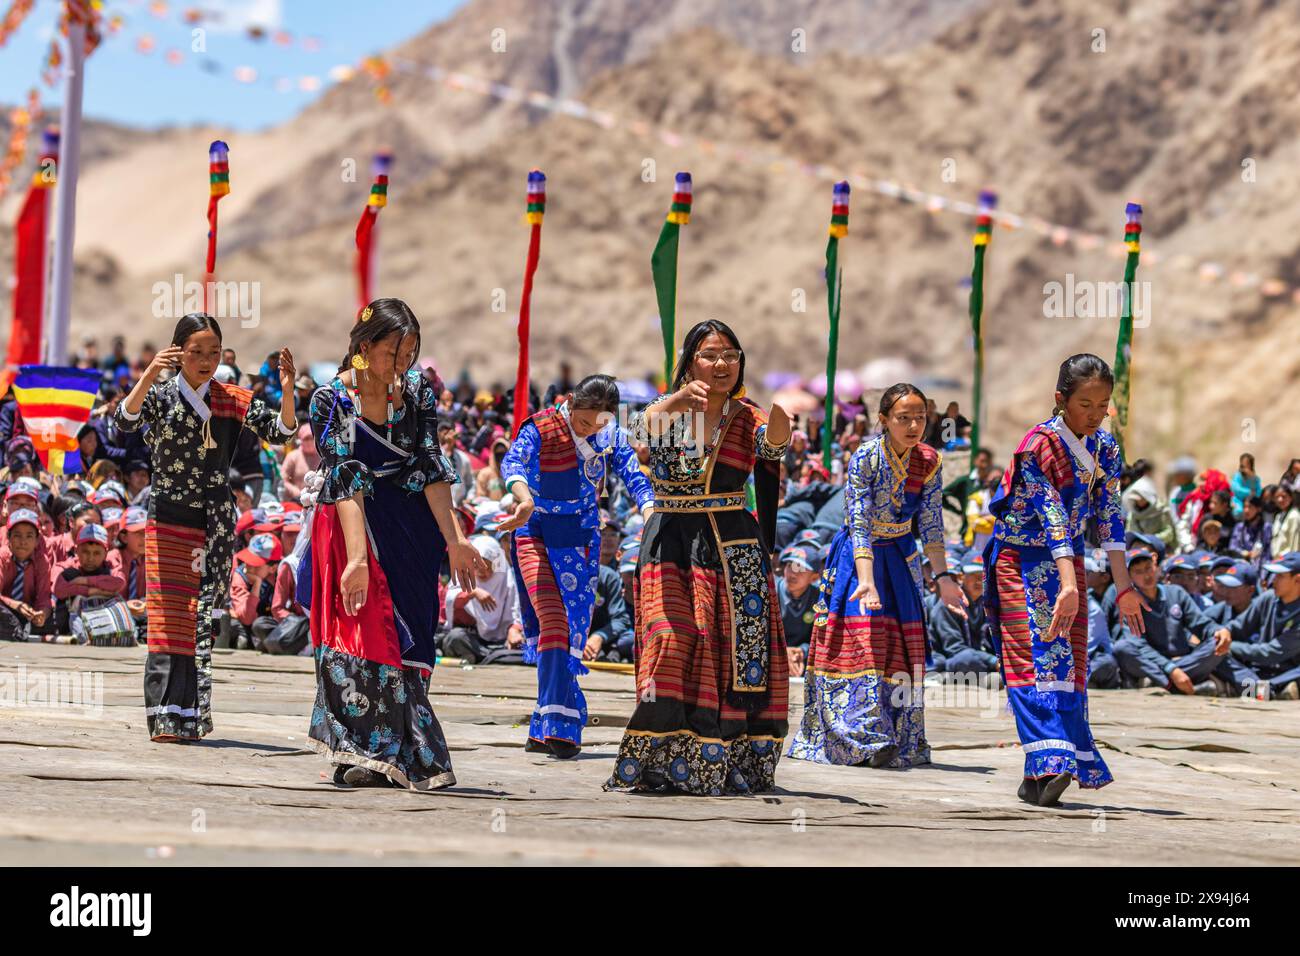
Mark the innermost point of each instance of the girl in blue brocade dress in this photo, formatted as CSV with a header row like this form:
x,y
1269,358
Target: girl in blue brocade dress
x,y
556,470
863,683
1065,471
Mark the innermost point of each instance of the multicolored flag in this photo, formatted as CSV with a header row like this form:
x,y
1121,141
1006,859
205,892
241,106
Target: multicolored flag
x,y
838,230
536,209
380,168
55,403
663,266
1124,342
218,186
30,235
983,235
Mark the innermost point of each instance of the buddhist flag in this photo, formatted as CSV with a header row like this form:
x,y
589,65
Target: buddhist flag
x,y
663,266
55,403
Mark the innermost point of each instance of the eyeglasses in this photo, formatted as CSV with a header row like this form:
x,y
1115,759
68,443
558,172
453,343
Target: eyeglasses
x,y
730,356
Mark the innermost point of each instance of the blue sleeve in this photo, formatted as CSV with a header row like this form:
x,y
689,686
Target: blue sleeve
x,y
333,427
931,520
1106,506
1282,649
629,470
620,619
1045,498
522,460
858,503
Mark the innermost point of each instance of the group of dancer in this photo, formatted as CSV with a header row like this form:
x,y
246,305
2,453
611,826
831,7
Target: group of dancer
x,y
711,669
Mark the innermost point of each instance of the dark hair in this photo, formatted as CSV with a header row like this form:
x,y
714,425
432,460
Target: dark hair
x,y
1140,468
1266,493
1078,369
1255,500
598,392
895,392
1248,457
698,333
387,317
195,322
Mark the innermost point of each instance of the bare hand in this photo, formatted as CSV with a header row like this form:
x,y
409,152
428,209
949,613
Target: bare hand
x,y
514,638
953,597
168,358
467,565
691,397
1063,613
38,617
1131,606
1222,641
592,650
866,593
485,598
287,371
355,583
794,655
523,511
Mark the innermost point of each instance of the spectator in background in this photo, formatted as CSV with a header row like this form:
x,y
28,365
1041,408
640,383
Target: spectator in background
x,y
252,589
228,360
962,642
488,484
459,461
1245,482
1103,670
1233,590
486,619
611,637
958,491
1291,477
25,573
1252,533
1145,510
1266,638
297,463
797,592
1285,532
1181,481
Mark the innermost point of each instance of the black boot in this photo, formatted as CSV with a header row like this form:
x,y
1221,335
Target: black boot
x,y
1050,794
338,776
532,746
563,749
1028,791
882,757
364,777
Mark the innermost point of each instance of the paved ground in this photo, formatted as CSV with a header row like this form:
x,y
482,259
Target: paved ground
x,y
1198,781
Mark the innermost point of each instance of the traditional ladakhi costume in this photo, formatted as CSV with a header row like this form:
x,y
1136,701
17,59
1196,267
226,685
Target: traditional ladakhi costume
x,y
372,675
1056,481
864,680
712,673
557,555
189,538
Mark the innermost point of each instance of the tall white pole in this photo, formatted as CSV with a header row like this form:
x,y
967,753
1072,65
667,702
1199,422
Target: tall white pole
x,y
59,316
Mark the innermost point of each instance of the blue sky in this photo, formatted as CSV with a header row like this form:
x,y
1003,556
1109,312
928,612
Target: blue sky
x,y
126,86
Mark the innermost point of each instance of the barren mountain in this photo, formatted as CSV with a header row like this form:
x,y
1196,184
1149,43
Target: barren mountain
x,y
1163,105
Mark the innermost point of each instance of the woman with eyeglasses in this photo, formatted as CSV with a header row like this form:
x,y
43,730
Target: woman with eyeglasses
x,y
1065,471
863,683
195,423
712,671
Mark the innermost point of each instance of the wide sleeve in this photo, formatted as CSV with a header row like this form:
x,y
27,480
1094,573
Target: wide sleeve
x,y
521,462
427,464
930,523
762,447
1045,498
858,504
264,422
147,415
629,470
333,426
1106,504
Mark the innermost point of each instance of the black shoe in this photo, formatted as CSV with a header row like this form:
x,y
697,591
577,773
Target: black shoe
x,y
1028,791
563,749
532,746
882,758
1050,794
338,776
364,777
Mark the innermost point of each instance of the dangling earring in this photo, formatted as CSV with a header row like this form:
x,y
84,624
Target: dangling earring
x,y
360,362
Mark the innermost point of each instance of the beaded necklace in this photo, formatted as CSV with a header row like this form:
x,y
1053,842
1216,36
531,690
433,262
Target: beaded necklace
x,y
687,463
355,395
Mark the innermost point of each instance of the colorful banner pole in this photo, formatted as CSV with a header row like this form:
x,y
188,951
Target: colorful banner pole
x,y
663,266
983,235
218,186
839,228
1124,341
367,226
30,249
536,209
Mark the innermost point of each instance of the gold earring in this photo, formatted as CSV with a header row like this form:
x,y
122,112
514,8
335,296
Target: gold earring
x,y
360,363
